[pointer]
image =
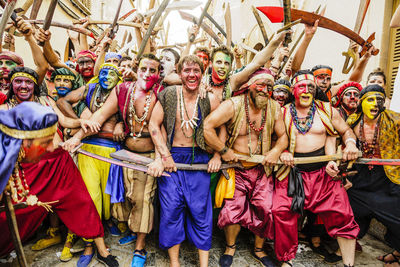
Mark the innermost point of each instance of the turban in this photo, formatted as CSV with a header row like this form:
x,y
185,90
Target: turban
x,y
261,73
8,55
110,67
112,55
87,53
66,73
28,120
343,89
372,88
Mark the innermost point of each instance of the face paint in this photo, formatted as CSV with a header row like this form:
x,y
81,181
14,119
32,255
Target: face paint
x,y
281,95
350,99
23,88
37,148
372,105
86,67
191,76
376,79
260,91
147,68
62,85
221,67
167,63
6,66
304,92
323,81
204,58
108,79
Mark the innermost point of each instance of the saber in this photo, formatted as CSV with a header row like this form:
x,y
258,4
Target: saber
x,y
200,21
126,155
220,29
112,161
49,17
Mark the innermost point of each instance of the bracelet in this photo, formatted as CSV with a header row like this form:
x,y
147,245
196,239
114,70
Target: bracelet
x,y
350,140
165,157
224,150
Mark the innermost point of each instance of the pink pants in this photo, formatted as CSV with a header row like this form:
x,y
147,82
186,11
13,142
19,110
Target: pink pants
x,y
323,196
251,203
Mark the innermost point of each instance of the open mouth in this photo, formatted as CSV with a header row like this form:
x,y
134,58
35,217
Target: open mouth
x,y
305,98
374,111
221,73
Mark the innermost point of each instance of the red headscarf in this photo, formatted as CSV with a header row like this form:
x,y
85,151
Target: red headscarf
x,y
345,87
8,55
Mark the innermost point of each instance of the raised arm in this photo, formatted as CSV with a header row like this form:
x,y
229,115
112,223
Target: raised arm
x,y
258,61
193,30
37,54
298,58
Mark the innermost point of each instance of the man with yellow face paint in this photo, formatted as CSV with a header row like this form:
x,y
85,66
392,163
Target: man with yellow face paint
x,y
376,189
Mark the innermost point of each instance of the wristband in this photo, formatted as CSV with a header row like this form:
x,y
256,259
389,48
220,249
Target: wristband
x,y
350,140
224,150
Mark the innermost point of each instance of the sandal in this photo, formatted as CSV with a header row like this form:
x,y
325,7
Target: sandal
x,y
226,260
395,258
265,261
84,260
288,263
139,258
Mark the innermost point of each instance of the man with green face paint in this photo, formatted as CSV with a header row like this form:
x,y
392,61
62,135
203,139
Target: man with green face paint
x,y
376,189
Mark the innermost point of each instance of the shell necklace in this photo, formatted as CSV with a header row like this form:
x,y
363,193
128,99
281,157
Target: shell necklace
x,y
192,122
132,113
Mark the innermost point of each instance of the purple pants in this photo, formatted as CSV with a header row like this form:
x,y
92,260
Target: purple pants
x,y
185,201
251,205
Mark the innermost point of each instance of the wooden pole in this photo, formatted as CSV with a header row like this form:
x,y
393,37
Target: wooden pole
x,y
13,226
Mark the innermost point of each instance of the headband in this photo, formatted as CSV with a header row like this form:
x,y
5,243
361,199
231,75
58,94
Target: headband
x,y
23,74
25,134
282,86
69,77
371,93
322,71
303,77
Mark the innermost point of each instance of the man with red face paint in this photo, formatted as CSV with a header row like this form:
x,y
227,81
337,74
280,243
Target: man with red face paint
x,y
135,102
251,119
85,62
176,128
204,54
376,188
311,187
347,99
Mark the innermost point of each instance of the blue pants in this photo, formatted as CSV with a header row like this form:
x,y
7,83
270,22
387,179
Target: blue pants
x,y
185,200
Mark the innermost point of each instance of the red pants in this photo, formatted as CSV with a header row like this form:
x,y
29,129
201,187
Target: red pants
x,y
55,177
251,203
323,196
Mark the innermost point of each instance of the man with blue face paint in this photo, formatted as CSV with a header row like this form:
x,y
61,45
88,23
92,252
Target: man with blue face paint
x,y
102,179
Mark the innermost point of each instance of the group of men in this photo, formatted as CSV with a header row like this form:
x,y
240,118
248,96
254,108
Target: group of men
x,y
184,112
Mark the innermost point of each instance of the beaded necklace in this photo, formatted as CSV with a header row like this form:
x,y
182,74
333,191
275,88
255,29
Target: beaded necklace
x,y
192,122
132,113
13,102
368,149
100,97
250,126
303,125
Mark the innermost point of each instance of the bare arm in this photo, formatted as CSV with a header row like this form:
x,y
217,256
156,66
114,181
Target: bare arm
x,y
193,30
298,58
258,61
37,54
65,103
348,136
172,79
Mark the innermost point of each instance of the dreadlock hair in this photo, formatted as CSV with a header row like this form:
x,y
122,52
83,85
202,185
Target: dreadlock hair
x,y
36,91
222,49
190,59
377,72
176,54
152,57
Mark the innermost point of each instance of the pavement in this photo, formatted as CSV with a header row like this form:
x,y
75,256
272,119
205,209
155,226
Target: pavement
x,y
372,248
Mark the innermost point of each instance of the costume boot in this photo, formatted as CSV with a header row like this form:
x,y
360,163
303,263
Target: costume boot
x,y
53,238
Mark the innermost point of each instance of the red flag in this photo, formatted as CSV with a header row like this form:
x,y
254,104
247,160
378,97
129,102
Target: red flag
x,y
274,13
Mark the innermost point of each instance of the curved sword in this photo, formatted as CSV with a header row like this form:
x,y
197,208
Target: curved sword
x,y
275,14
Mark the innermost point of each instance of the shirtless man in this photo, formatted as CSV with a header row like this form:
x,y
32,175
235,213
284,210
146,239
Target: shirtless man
x,y
135,102
251,119
185,198
308,124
